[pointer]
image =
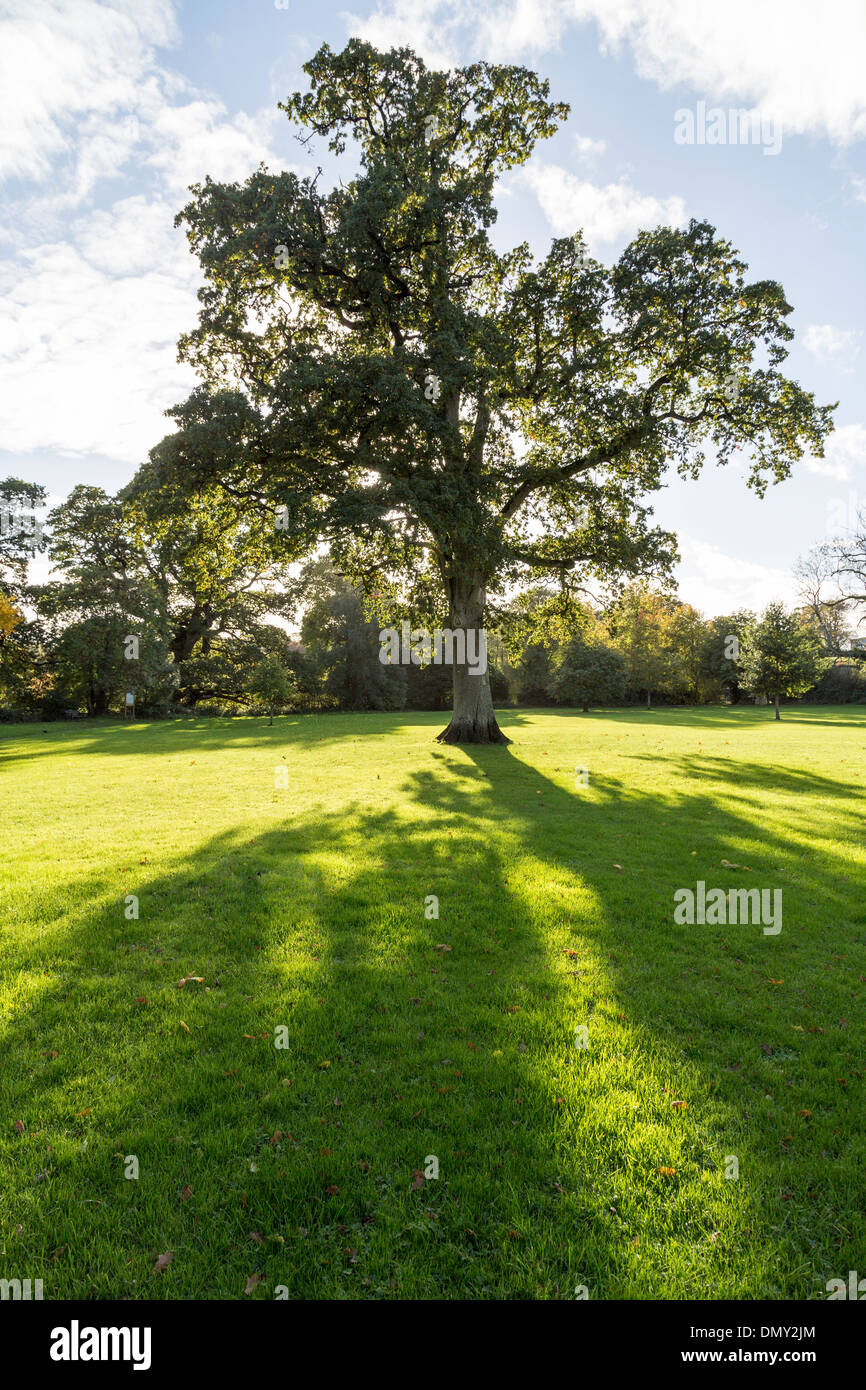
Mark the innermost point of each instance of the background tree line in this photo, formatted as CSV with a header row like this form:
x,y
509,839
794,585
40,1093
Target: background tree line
x,y
224,622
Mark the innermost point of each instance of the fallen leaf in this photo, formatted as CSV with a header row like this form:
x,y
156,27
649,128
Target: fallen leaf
x,y
185,1025
252,1282
186,1194
163,1263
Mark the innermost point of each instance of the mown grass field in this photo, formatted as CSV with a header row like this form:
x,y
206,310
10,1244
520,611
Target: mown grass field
x,y
303,907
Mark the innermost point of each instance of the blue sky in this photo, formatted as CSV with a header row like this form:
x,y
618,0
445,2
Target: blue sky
x,y
109,110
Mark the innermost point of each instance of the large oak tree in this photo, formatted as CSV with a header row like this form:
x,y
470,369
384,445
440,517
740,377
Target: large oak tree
x,y
452,419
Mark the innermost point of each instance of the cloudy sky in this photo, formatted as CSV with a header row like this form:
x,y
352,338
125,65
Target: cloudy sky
x,y
108,111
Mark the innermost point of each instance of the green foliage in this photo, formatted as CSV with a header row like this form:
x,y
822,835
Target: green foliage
x,y
533,676
587,675
641,624
20,531
343,646
780,655
719,660
103,623
273,683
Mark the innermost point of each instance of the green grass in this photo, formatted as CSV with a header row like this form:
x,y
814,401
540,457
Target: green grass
x,y
305,908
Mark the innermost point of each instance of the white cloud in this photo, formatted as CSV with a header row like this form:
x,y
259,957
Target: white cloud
x,y
94,299
804,67
717,583
71,60
195,139
833,344
844,452
432,29
606,214
858,188
589,149
88,335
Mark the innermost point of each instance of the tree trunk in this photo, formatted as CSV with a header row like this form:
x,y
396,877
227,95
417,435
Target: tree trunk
x,y
271,720
585,706
473,719
778,716
649,692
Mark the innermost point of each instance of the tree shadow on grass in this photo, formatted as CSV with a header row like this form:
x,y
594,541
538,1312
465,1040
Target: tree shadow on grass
x,y
412,1038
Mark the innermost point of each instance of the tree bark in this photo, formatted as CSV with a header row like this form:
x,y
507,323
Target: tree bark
x,y
778,716
473,719
649,692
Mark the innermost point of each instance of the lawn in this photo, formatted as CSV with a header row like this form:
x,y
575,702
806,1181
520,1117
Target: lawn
x,y
301,910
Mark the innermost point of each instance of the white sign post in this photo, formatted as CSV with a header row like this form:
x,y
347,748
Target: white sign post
x,y
129,705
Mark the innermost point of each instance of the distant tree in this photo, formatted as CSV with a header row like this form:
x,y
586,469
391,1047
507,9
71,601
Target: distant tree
x,y
533,677
103,620
588,675
224,566
21,535
686,638
832,581
9,616
221,668
779,656
273,683
343,645
640,625
720,653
